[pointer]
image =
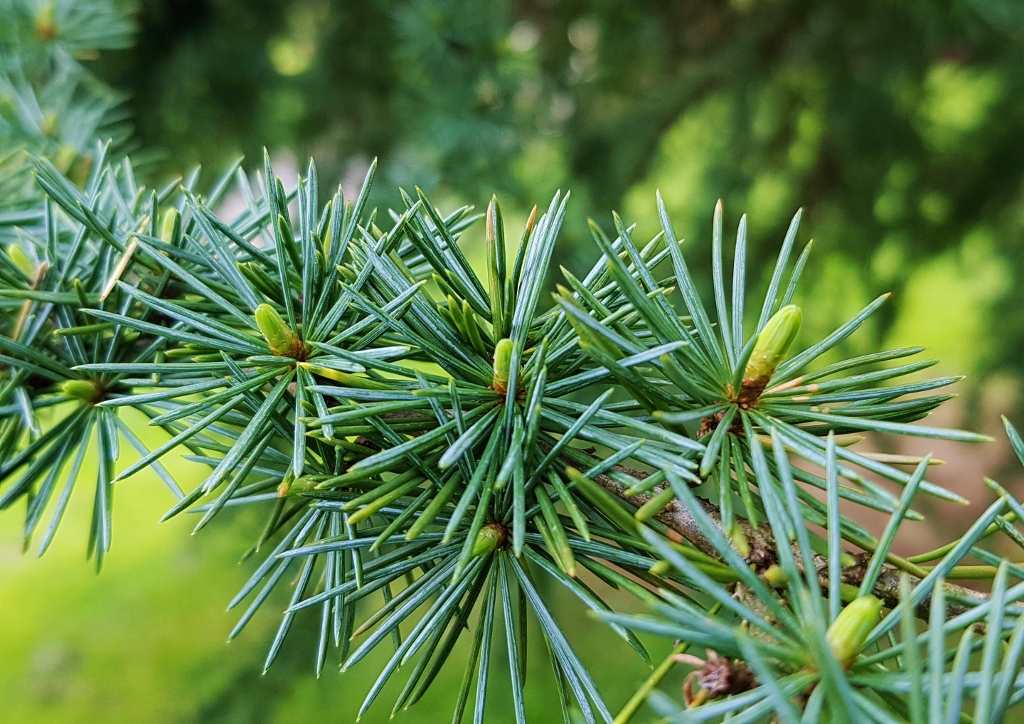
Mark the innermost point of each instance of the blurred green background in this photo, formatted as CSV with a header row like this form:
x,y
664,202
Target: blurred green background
x,y
897,127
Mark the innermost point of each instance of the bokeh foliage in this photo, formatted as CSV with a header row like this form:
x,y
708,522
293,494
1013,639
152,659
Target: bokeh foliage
x,y
895,125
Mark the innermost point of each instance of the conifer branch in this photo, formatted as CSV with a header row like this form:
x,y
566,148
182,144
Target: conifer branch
x,y
763,551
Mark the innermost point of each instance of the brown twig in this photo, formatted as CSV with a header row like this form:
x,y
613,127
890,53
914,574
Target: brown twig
x,y
763,550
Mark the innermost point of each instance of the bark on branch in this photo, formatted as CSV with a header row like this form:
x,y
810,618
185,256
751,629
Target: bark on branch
x,y
763,549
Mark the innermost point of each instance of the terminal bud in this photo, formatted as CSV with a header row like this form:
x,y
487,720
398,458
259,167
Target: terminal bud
x,y
490,538
770,350
848,633
282,340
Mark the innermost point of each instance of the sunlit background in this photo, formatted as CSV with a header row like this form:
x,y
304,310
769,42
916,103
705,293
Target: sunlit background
x,y
897,127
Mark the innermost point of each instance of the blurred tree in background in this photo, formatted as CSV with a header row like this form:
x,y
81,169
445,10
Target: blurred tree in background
x,y
50,103
895,125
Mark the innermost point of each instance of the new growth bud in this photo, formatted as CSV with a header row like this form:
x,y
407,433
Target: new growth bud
x,y
170,229
282,340
21,258
847,634
770,348
775,576
44,22
489,538
83,390
502,365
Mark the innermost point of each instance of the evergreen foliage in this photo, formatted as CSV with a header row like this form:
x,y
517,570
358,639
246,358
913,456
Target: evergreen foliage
x,y
448,444
414,431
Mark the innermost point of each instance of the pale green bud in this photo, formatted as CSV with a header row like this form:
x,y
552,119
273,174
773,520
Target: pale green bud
x,y
170,229
282,340
502,364
848,633
21,258
775,576
772,343
488,539
660,568
44,22
83,390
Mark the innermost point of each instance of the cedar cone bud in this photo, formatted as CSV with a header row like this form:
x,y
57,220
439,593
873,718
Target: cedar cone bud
x,y
490,537
82,389
21,258
170,229
775,576
770,349
282,340
847,634
45,23
502,365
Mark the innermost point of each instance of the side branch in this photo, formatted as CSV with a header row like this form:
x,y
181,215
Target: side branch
x,y
763,551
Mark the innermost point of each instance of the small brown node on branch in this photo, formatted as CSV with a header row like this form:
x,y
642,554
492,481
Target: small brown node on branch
x,y
714,677
750,391
710,423
762,559
367,443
